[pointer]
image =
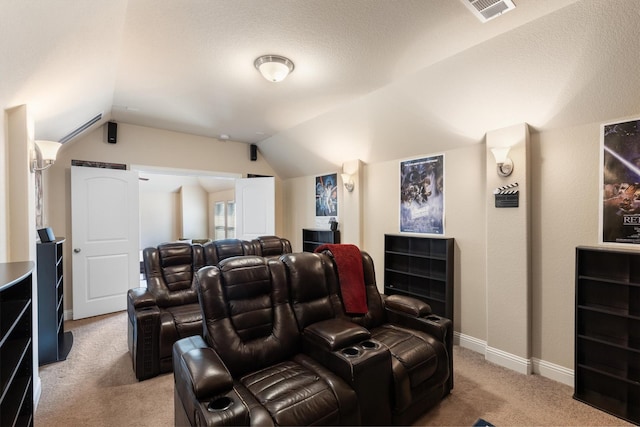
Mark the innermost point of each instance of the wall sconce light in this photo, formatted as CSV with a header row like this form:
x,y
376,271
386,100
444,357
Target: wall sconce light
x,y
273,67
47,152
348,182
505,164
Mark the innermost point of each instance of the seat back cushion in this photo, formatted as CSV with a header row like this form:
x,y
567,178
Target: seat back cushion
x,y
271,246
170,272
219,250
246,311
312,287
375,316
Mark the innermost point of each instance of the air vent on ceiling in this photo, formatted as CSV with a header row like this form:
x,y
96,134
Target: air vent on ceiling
x,y
486,10
81,129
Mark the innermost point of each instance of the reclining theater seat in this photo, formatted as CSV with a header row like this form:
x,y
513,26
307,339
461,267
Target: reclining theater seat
x,y
313,288
167,309
271,246
252,369
218,250
421,344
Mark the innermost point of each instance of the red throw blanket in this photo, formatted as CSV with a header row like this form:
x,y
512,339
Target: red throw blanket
x,y
351,276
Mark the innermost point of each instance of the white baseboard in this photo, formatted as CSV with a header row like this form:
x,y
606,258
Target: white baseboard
x,y
508,360
469,342
68,314
552,371
516,363
37,391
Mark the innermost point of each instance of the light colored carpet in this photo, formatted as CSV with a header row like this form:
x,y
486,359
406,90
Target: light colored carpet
x,y
96,386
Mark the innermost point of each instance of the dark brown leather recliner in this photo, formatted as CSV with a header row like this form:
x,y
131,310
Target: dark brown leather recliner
x,y
167,309
421,345
218,250
271,246
313,291
252,369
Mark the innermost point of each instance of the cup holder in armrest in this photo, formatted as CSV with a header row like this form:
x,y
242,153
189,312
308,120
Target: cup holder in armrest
x,y
221,403
351,352
433,318
369,345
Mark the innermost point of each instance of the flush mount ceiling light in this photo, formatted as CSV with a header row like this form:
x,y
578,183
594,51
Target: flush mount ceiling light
x,y
273,67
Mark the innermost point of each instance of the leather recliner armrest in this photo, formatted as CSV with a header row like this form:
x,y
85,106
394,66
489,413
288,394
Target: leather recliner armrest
x,y
333,334
143,332
408,305
348,350
438,327
204,388
206,372
140,298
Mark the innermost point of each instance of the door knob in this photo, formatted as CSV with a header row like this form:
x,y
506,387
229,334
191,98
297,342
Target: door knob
x,y
77,250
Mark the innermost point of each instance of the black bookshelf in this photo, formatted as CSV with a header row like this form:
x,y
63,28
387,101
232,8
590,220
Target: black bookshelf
x,y
421,267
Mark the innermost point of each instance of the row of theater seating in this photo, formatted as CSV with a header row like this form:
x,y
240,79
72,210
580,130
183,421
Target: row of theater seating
x,y
282,345
168,309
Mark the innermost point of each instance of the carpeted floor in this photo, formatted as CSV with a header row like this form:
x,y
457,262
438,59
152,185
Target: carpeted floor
x,y
96,386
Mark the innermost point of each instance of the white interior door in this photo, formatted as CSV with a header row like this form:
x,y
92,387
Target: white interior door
x,y
105,239
255,208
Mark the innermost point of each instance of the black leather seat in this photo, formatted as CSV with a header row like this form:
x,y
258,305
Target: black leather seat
x,y
420,343
281,349
167,309
253,359
313,291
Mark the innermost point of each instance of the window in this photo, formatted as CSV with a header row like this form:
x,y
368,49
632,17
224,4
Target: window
x,y
231,219
224,220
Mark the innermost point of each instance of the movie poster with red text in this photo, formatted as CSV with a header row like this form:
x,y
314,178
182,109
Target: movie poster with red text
x,y
620,154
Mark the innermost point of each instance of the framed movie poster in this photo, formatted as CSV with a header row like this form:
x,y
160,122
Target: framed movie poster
x,y
620,186
326,199
422,195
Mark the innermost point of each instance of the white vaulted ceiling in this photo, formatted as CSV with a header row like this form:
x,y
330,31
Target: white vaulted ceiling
x,y
373,79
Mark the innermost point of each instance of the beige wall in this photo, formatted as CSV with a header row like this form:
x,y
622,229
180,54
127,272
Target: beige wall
x,y
4,190
565,194
193,203
564,202
465,222
141,146
154,228
563,213
380,189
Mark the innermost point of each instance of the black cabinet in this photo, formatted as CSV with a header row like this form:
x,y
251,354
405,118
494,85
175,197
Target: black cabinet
x,y
53,343
16,344
312,238
607,338
420,267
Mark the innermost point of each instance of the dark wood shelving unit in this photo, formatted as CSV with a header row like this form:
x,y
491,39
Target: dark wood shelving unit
x,y
607,338
16,344
421,267
54,343
312,238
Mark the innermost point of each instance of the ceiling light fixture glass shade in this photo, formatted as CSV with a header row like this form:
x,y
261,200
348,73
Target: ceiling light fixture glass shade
x,y
273,67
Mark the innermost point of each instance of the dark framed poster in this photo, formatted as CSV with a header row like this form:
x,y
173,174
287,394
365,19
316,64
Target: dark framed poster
x,y
620,182
422,195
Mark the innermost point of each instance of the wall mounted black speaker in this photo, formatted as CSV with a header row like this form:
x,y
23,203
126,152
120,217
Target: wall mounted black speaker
x,y
254,152
112,132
